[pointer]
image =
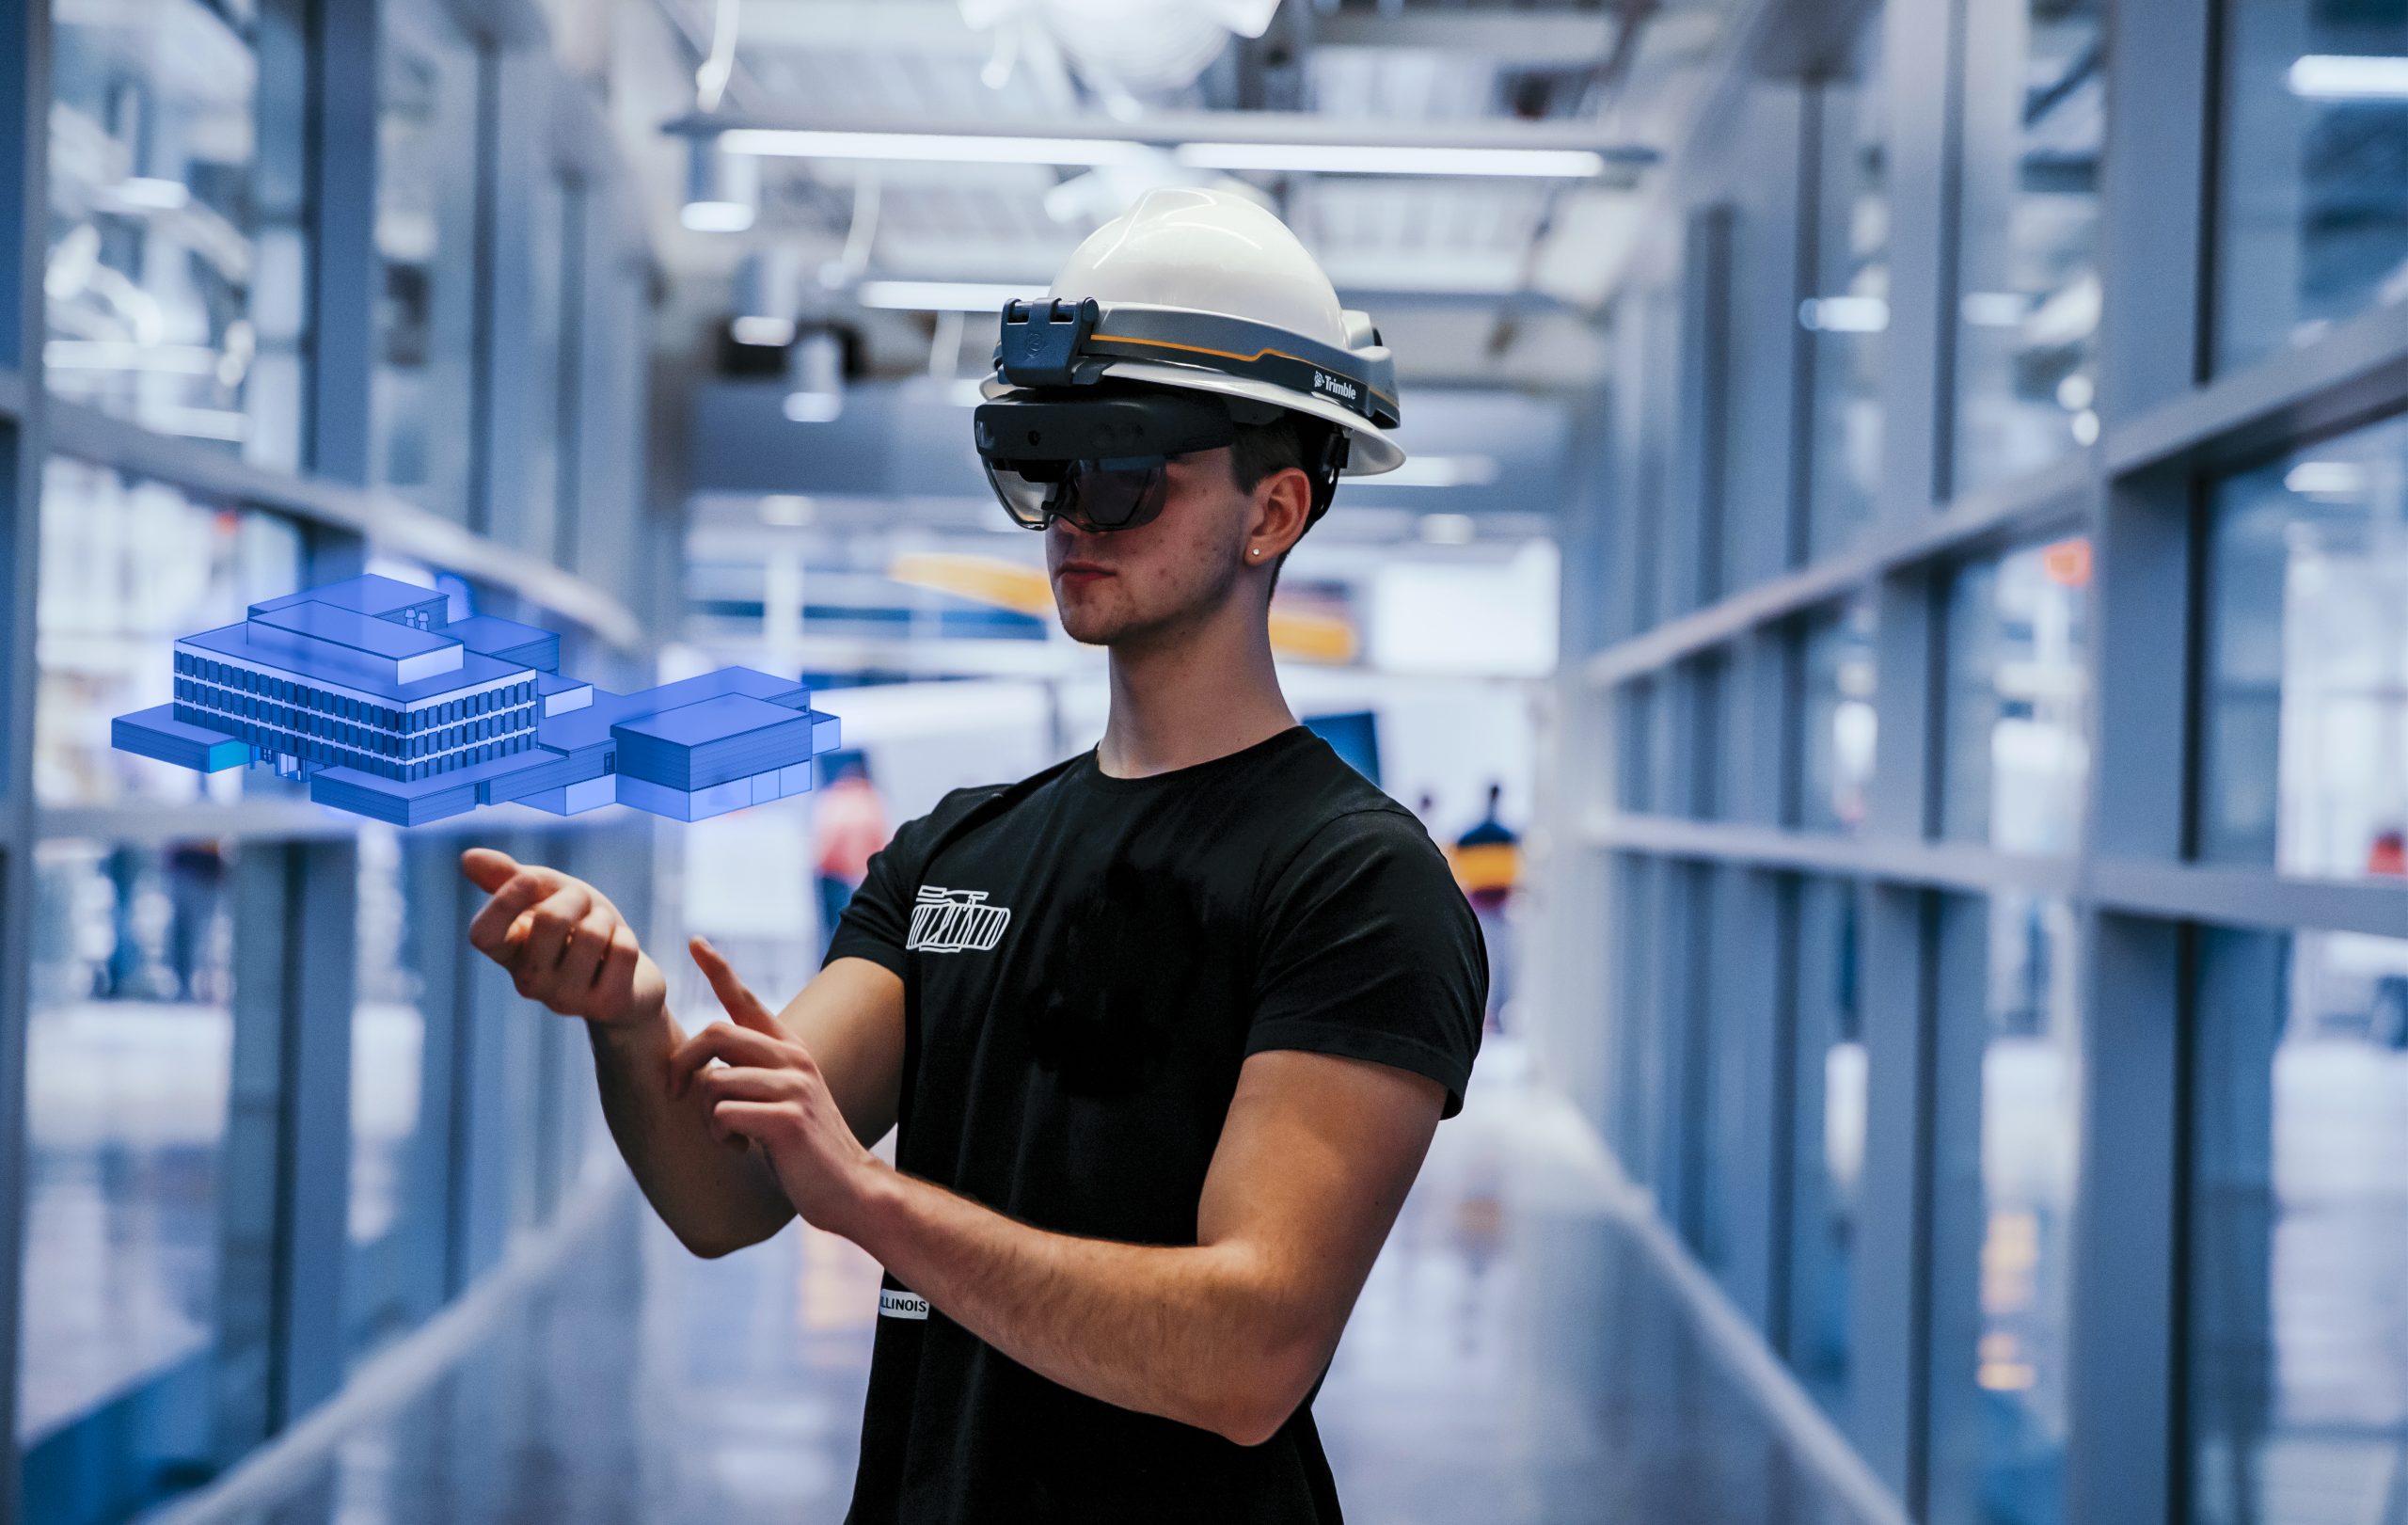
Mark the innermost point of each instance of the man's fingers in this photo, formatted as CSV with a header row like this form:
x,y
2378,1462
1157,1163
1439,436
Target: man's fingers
x,y
488,932
615,977
588,945
487,868
746,1083
741,1004
720,1041
547,930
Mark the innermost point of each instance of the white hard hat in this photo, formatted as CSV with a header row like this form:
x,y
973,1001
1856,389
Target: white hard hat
x,y
1206,291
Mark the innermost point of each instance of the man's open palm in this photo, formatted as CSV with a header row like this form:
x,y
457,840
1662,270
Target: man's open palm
x,y
563,941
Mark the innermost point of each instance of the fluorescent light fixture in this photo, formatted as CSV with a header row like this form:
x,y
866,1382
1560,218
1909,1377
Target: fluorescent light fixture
x,y
722,192
2326,479
2349,76
1995,309
716,217
788,510
814,408
1843,315
153,195
770,333
943,296
1447,529
1091,152
1392,159
928,148
1440,471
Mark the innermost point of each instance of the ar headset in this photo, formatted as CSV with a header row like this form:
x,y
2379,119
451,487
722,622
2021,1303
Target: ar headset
x,y
1084,447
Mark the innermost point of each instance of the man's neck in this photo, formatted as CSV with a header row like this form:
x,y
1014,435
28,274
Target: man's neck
x,y
1184,698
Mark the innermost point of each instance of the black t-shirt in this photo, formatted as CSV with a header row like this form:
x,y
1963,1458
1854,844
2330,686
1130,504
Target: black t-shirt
x,y
1086,961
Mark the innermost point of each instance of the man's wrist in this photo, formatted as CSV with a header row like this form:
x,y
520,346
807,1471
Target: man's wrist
x,y
881,1200
631,1034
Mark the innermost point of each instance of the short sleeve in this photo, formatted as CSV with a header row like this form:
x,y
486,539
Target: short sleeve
x,y
877,923
1368,950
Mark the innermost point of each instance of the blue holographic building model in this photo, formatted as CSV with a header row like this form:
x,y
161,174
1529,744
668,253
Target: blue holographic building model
x,y
392,711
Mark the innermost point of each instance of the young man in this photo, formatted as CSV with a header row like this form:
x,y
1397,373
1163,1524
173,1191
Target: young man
x,y
1166,1027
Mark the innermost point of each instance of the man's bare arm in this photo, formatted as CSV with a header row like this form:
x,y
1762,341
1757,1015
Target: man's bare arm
x,y
1229,1334
567,946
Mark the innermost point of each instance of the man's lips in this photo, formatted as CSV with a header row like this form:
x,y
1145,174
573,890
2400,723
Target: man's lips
x,y
1079,571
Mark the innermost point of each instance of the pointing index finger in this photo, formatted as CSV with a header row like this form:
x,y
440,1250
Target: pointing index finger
x,y
741,1004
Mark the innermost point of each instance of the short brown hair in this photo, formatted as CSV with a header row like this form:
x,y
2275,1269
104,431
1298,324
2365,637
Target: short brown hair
x,y
1294,440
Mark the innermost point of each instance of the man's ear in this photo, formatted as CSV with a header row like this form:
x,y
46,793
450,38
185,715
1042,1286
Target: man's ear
x,y
1283,508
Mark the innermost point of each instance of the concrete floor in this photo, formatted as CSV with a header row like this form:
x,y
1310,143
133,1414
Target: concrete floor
x,y
1515,1359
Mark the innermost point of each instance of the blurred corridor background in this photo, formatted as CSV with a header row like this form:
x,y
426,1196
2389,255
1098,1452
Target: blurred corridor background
x,y
1906,538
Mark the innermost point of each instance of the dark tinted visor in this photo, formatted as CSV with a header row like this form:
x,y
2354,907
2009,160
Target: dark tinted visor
x,y
1096,495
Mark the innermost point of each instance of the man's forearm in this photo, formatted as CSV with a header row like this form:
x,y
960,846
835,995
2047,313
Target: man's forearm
x,y
1197,1333
715,1196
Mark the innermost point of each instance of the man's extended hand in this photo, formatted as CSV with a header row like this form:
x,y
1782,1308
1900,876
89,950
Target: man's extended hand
x,y
563,941
770,1091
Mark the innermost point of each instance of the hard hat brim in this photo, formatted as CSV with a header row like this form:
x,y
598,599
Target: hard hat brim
x,y
1372,449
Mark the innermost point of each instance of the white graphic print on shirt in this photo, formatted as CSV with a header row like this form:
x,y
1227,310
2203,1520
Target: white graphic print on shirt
x,y
955,921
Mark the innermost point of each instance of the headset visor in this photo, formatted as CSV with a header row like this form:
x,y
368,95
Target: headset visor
x,y
1098,461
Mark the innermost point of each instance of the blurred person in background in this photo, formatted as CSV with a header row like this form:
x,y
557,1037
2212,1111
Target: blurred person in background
x,y
1488,865
849,825
1166,1027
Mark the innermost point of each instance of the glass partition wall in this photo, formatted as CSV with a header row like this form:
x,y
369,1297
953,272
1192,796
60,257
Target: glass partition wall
x,y
265,1133
2071,743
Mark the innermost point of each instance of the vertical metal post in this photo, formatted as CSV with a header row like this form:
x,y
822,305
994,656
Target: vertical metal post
x,y
24,79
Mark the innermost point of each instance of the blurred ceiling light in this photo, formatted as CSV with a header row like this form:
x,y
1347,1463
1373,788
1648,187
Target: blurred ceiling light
x,y
1994,310
153,195
816,366
1441,471
770,333
1843,315
787,510
2347,76
939,296
1093,153
1447,529
1393,159
931,147
2326,479
723,190
125,355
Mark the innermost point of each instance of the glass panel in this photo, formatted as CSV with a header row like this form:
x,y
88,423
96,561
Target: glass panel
x,y
2313,204
1638,1088
422,395
1701,685
397,1211
536,528
128,567
129,1058
1835,754
1829,1156
1851,308
156,221
2299,1230
2007,1118
2018,685
2027,333
2306,744
1635,705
